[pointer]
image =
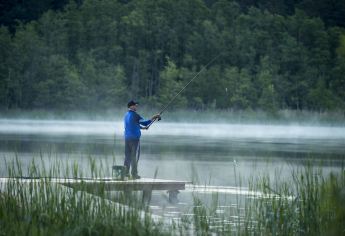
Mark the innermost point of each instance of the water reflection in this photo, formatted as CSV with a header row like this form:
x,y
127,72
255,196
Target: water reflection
x,y
173,148
202,153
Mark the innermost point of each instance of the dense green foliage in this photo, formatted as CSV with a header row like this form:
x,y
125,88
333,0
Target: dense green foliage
x,y
98,54
331,12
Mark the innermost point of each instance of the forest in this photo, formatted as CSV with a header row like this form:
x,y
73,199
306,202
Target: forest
x,y
99,54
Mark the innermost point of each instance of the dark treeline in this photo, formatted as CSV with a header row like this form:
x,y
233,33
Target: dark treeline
x,y
332,12
94,54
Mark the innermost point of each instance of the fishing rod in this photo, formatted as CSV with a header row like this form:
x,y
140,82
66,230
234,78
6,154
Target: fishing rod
x,y
184,88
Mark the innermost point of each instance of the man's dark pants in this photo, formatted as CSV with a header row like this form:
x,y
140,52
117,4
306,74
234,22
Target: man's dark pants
x,y
132,153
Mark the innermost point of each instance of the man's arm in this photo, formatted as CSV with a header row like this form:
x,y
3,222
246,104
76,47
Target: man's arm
x,y
146,127
155,117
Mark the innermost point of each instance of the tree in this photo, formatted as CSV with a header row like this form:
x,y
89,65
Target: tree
x,y
226,10
338,82
61,88
240,88
27,49
269,97
5,68
101,52
321,98
73,31
169,87
118,93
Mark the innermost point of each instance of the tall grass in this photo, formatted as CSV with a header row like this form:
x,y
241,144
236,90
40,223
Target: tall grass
x,y
33,203
306,203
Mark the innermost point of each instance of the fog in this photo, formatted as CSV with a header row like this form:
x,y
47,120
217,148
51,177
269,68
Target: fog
x,y
171,129
202,153
174,147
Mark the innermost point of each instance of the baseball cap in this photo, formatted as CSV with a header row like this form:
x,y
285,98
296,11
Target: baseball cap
x,y
131,103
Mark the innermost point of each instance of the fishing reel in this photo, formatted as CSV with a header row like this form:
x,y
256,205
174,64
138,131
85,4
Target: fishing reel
x,y
159,118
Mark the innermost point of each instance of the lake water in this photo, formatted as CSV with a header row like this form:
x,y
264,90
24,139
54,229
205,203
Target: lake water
x,y
175,149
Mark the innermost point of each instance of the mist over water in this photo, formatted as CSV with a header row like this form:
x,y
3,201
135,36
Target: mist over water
x,y
175,150
172,129
174,147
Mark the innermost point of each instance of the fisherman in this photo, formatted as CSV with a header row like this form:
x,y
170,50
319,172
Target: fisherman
x,y
133,124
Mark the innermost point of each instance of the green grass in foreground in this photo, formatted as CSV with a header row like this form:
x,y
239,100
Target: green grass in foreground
x,y
308,203
281,117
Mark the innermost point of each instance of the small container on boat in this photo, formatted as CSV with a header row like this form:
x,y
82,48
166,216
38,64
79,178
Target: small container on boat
x,y
119,172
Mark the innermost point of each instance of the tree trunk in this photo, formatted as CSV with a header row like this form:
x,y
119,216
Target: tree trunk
x,y
343,100
8,84
154,69
134,85
283,99
296,91
20,93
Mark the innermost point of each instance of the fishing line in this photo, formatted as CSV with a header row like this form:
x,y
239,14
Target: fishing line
x,y
186,87
233,152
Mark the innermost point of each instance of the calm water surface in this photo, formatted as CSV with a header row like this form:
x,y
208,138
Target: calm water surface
x,y
174,149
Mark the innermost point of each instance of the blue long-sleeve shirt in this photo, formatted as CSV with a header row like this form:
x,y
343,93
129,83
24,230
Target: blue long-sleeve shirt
x,y
133,122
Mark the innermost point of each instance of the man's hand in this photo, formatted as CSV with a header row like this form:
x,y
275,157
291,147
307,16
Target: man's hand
x,y
155,117
145,128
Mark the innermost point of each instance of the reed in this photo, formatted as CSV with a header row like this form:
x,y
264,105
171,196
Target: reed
x,y
34,204
306,203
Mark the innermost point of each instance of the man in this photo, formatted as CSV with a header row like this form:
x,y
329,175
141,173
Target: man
x,y
133,123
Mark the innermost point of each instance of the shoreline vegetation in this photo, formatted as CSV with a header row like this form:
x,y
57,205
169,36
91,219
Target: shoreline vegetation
x,y
229,116
309,202
93,54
